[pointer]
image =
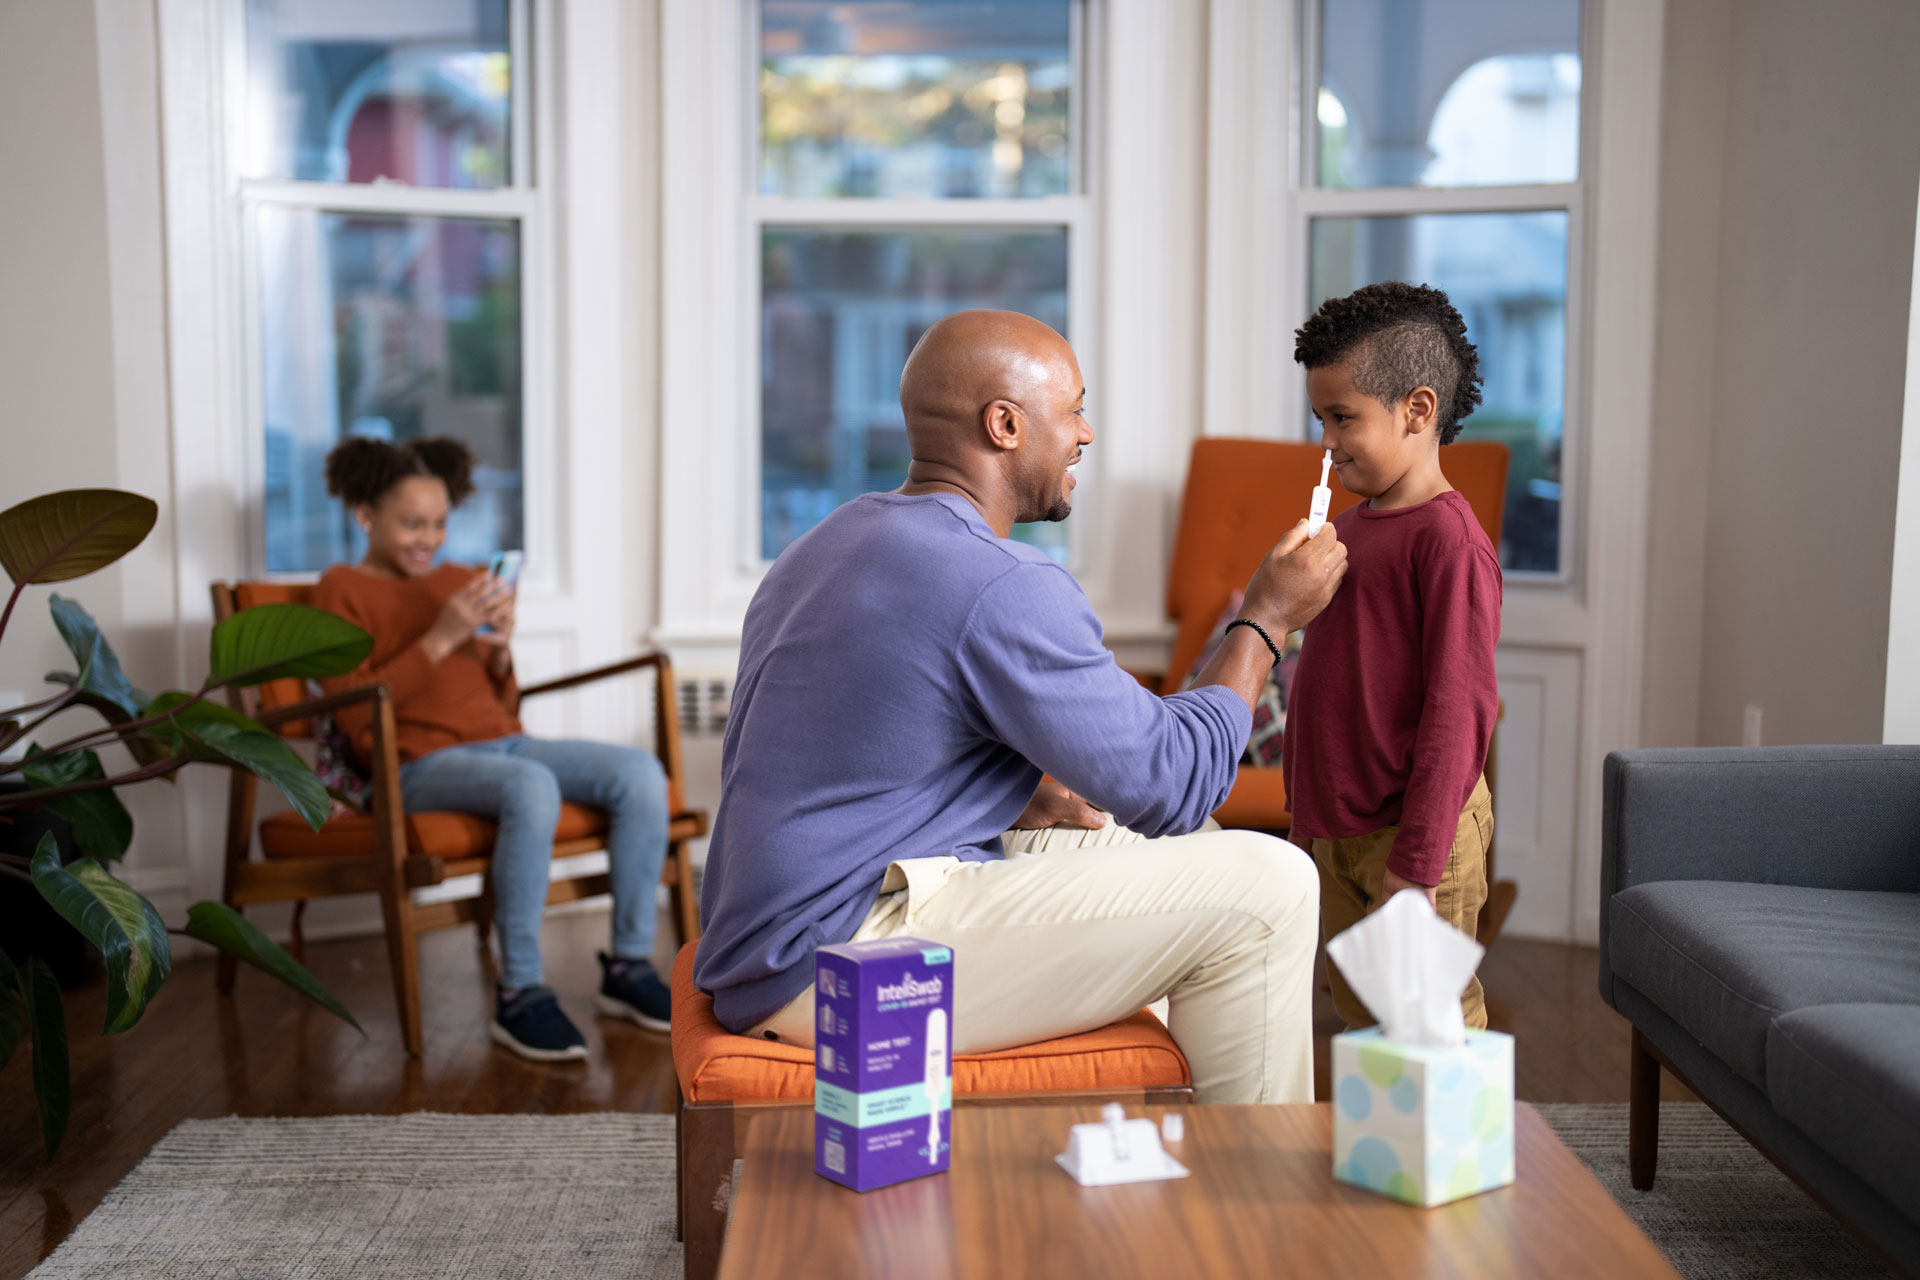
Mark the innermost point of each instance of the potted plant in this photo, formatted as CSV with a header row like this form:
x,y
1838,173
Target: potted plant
x,y
61,536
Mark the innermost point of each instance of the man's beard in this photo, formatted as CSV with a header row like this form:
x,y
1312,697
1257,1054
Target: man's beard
x,y
1059,511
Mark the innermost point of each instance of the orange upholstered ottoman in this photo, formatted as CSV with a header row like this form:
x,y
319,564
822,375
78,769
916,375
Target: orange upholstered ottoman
x,y
723,1078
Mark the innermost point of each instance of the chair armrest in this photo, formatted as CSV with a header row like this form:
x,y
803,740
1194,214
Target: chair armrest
x,y
307,708
1820,817
588,677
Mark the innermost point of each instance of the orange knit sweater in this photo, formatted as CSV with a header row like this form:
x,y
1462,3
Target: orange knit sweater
x,y
435,706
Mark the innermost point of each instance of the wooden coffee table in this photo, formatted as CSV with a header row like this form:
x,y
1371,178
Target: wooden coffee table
x,y
1261,1201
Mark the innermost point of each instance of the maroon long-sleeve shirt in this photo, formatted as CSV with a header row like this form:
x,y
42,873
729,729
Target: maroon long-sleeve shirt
x,y
1394,700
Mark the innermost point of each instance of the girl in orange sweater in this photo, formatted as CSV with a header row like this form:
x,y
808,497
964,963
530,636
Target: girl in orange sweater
x,y
441,640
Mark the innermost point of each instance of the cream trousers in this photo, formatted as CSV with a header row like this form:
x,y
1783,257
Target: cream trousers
x,y
1075,929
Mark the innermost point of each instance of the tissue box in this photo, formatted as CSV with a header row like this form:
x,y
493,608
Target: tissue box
x,y
1423,1125
873,1110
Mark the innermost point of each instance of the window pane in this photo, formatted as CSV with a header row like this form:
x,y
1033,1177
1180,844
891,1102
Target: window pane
x,y
840,310
883,98
1448,93
356,92
1507,274
394,327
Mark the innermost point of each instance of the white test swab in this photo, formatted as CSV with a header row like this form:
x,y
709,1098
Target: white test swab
x,y
1322,498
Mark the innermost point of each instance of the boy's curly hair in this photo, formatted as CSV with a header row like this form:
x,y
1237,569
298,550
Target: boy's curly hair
x,y
362,470
1396,337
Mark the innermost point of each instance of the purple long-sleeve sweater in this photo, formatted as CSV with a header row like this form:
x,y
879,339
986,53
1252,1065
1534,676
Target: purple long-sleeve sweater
x,y
905,678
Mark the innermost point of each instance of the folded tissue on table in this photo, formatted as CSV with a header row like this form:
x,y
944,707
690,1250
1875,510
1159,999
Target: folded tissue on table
x,y
1422,1106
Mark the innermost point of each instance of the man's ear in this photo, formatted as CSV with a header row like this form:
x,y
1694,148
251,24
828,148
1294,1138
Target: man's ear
x,y
1005,423
1423,410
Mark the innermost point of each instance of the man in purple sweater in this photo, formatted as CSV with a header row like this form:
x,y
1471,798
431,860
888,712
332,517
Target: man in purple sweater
x,y
907,674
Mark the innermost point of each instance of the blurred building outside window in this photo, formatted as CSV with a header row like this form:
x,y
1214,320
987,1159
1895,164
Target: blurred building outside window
x,y
913,158
388,197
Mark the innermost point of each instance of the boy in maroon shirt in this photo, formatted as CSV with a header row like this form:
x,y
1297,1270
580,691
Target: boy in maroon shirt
x,y
1394,700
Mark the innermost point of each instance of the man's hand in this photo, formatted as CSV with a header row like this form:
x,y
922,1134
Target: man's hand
x,y
1393,884
1055,806
1296,580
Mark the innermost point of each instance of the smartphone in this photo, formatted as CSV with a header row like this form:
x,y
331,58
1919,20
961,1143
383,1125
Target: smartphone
x,y
504,566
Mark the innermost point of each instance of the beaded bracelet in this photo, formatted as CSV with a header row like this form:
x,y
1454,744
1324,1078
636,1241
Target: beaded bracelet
x,y
1258,630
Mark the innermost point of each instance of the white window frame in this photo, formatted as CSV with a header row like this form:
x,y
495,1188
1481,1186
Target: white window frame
x,y
1073,212
1311,200
525,200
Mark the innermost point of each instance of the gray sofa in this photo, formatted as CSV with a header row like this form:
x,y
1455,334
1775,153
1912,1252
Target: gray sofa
x,y
1760,928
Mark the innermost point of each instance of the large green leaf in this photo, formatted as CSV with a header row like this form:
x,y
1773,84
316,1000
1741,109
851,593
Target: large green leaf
x,y
100,672
109,914
221,926
13,1010
274,641
67,535
264,755
101,824
51,1084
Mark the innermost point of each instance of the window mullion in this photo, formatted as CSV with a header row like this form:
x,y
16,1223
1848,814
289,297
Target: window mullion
x,y
1389,201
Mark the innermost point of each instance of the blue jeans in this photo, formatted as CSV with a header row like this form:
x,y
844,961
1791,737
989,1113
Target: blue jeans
x,y
519,782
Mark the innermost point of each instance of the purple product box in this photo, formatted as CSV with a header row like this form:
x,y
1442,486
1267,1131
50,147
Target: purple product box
x,y
882,1061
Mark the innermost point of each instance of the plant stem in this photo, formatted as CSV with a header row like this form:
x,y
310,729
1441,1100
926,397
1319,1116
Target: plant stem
x,y
14,873
158,769
60,704
120,732
12,600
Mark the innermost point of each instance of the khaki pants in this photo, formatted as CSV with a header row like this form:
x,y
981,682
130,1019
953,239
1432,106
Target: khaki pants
x,y
1353,869
1075,929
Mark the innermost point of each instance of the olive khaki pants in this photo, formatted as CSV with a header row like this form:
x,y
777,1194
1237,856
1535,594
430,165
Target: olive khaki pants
x,y
1353,869
1075,929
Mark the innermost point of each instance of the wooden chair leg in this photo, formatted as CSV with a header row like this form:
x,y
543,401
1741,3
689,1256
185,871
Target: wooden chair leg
x,y
224,971
705,1170
403,954
686,903
297,930
1643,1114
483,911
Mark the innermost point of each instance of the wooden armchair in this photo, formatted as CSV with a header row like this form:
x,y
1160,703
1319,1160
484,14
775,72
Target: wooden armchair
x,y
390,852
1236,507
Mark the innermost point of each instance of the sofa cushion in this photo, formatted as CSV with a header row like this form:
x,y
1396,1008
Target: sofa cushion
x,y
1724,959
714,1065
1848,1076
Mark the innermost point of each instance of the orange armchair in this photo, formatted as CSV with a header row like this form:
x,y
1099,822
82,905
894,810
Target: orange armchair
x,y
389,852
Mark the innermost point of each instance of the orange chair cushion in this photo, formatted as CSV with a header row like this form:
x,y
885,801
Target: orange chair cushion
x,y
441,835
714,1065
1258,801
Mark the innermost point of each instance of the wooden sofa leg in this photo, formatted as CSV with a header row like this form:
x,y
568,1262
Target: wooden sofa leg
x,y
1643,1114
706,1169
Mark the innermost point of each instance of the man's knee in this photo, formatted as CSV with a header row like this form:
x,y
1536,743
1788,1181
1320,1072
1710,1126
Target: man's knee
x,y
1279,878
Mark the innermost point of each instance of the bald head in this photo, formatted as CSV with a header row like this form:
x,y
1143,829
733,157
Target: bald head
x,y
970,359
994,407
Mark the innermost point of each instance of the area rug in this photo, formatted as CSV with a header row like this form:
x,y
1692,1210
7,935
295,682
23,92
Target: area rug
x,y
420,1195
588,1196
1718,1209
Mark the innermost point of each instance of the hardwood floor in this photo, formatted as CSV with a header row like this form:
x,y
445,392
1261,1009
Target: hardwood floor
x,y
265,1052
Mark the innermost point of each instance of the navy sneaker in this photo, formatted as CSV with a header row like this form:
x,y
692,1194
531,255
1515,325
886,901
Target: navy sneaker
x,y
532,1025
631,989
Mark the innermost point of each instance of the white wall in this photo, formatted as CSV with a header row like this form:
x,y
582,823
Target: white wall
x,y
82,353
1788,231
1902,717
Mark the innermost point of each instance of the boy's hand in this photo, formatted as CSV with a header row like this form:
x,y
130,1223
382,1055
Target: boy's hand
x,y
1055,806
1392,884
1296,580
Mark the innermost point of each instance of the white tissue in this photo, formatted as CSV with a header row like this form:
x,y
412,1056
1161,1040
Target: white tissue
x,y
1408,967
